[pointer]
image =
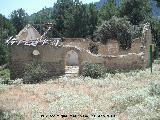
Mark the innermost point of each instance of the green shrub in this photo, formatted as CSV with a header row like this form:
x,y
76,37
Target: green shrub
x,y
34,73
119,29
157,61
93,70
155,88
5,76
6,115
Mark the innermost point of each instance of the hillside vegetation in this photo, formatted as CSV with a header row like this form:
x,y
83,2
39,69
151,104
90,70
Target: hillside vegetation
x,y
73,19
134,95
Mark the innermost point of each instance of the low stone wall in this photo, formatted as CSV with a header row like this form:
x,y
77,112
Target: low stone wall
x,y
111,48
111,63
53,57
79,42
50,57
127,62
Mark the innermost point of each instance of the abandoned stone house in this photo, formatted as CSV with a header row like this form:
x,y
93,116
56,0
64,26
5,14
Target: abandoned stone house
x,y
29,46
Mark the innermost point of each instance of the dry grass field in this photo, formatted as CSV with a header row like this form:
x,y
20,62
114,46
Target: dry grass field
x,y
133,95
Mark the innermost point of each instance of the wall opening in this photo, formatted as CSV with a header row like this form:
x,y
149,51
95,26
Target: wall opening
x,y
93,48
71,62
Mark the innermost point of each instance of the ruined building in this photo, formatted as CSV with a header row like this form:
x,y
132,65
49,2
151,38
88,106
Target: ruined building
x,y
54,53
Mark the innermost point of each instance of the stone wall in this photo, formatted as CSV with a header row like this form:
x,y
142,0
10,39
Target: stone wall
x,y
111,48
130,61
50,57
54,58
79,42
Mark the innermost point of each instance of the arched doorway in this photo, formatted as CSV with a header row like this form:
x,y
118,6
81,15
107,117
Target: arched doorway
x,y
72,62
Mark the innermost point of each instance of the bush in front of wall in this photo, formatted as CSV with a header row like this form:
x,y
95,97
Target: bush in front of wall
x,y
34,73
93,70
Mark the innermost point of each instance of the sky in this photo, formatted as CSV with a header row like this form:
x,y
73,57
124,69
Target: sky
x,y
30,6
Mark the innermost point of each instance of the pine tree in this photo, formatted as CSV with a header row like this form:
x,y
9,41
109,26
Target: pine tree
x,y
19,19
108,11
136,10
6,30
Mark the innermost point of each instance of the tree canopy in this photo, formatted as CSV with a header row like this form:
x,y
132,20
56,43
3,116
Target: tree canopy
x,y
108,11
75,19
135,10
158,2
72,18
19,19
118,29
6,30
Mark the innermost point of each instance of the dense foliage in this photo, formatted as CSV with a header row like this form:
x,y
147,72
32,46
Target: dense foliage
x,y
34,73
74,19
108,11
116,28
136,10
43,16
6,30
19,19
93,70
158,2
155,27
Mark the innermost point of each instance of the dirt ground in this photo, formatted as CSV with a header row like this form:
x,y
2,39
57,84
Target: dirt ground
x,y
77,95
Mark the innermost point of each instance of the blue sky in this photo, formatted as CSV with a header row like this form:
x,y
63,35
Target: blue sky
x,y
30,6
